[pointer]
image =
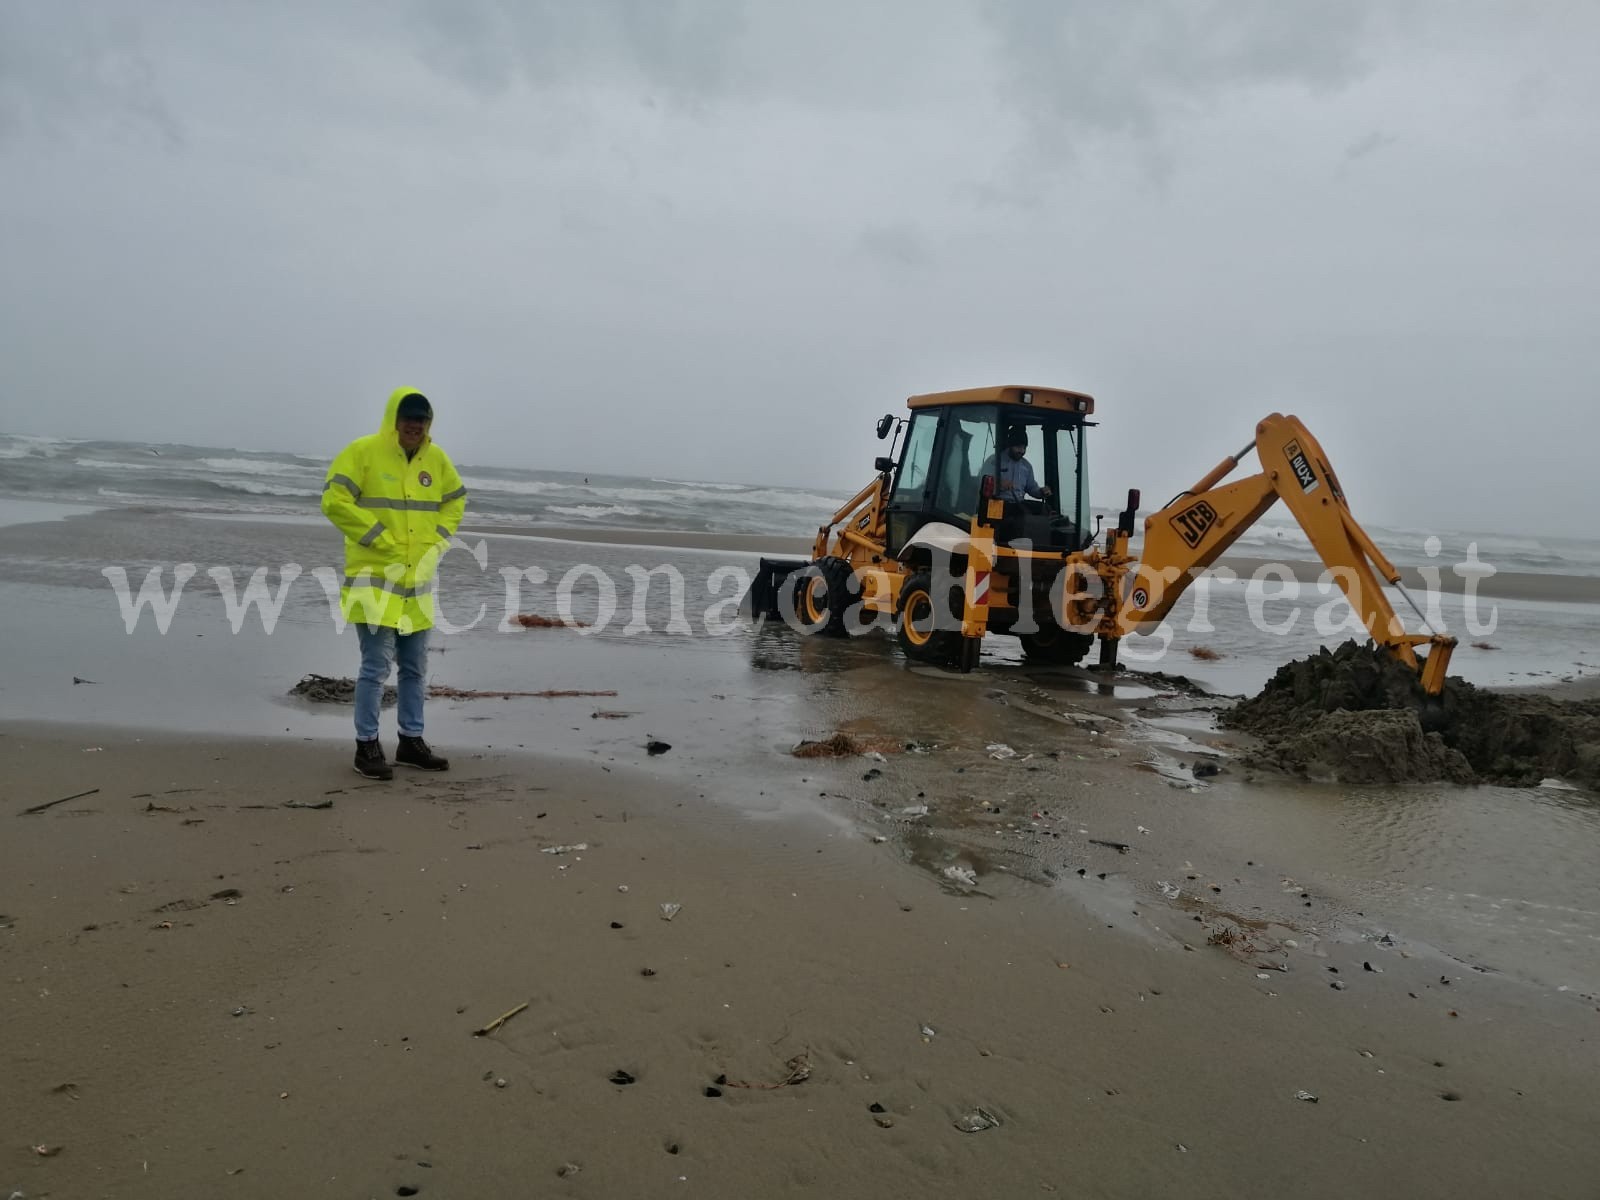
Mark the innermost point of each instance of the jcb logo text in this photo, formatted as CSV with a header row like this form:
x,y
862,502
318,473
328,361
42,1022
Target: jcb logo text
x,y
1194,522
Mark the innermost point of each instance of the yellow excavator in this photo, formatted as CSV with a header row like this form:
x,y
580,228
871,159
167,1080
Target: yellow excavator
x,y
978,525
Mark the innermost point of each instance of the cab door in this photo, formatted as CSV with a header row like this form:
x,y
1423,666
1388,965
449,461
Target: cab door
x,y
1064,473
913,482
965,456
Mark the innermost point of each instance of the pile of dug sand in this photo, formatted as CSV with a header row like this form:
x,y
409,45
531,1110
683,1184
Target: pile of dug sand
x,y
1356,715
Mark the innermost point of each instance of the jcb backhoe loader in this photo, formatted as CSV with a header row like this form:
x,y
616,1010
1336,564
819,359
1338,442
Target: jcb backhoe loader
x,y
949,542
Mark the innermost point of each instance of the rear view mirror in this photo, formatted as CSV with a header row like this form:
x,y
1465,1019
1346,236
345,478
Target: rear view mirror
x,y
1127,516
885,423
883,465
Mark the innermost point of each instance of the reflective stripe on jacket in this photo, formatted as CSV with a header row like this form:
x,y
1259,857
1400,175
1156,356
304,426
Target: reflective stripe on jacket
x,y
397,516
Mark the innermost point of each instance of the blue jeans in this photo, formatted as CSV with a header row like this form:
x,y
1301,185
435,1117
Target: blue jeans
x,y
380,648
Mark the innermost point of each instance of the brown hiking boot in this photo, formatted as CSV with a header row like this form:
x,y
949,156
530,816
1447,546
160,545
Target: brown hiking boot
x,y
370,761
414,752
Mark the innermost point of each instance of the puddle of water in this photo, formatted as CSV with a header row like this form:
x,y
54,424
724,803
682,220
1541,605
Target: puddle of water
x,y
1188,723
1171,753
1114,901
28,512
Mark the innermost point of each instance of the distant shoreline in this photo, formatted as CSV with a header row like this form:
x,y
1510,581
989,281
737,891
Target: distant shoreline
x,y
1505,585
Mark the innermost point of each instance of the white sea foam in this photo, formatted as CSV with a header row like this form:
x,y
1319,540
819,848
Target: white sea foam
x,y
639,495
106,464
252,488
254,466
25,445
514,487
758,498
696,483
594,512
796,501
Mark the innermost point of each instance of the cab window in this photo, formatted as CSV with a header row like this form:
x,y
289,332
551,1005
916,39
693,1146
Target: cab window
x,y
968,455
915,460
1061,469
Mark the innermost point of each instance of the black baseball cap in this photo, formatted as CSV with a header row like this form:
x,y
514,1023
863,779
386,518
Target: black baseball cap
x,y
415,406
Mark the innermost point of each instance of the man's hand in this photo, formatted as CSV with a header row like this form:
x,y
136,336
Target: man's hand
x,y
389,547
1045,492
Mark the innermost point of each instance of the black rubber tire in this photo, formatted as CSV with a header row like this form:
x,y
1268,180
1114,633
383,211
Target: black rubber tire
x,y
1054,646
823,593
942,643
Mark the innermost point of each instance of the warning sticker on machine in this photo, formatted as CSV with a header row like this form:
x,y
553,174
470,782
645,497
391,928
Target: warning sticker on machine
x,y
1304,475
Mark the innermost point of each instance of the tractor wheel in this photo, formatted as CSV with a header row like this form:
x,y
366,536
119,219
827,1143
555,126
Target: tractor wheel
x,y
1054,646
823,594
927,633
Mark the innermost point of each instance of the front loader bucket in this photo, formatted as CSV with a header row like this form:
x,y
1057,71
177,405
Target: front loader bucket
x,y
762,598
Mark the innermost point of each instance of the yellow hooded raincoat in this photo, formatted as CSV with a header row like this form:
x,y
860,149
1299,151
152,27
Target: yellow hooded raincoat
x,y
397,516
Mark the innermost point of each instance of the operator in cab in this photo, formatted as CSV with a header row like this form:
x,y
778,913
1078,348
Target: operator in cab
x,y
1014,478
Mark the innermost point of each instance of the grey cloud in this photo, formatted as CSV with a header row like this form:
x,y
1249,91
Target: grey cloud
x,y
896,246
60,65
676,211
1112,68
1369,144
1066,67
680,48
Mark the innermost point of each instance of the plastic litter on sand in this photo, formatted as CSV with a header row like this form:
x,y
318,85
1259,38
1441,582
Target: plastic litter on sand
x,y
976,1121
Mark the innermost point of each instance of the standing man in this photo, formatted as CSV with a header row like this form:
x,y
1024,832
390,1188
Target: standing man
x,y
397,499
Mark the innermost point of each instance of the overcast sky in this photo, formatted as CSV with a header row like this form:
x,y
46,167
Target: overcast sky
x,y
719,237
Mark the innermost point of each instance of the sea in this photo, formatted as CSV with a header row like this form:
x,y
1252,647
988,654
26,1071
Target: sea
x,y
228,480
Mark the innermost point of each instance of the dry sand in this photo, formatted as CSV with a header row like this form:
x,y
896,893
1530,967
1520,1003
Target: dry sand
x,y
311,1035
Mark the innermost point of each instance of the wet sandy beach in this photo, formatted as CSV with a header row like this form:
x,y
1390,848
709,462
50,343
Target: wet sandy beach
x,y
1131,967
212,992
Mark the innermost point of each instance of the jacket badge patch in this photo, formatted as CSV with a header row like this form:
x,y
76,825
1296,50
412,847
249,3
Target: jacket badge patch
x,y
424,479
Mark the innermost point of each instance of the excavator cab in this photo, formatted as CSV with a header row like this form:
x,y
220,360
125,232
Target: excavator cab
x,y
966,530
1022,446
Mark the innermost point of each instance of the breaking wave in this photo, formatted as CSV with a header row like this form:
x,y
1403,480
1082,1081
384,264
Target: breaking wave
x,y
715,487
594,512
255,466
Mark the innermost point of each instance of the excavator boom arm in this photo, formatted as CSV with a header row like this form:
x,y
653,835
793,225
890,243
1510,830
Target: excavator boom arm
x,y
1193,531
